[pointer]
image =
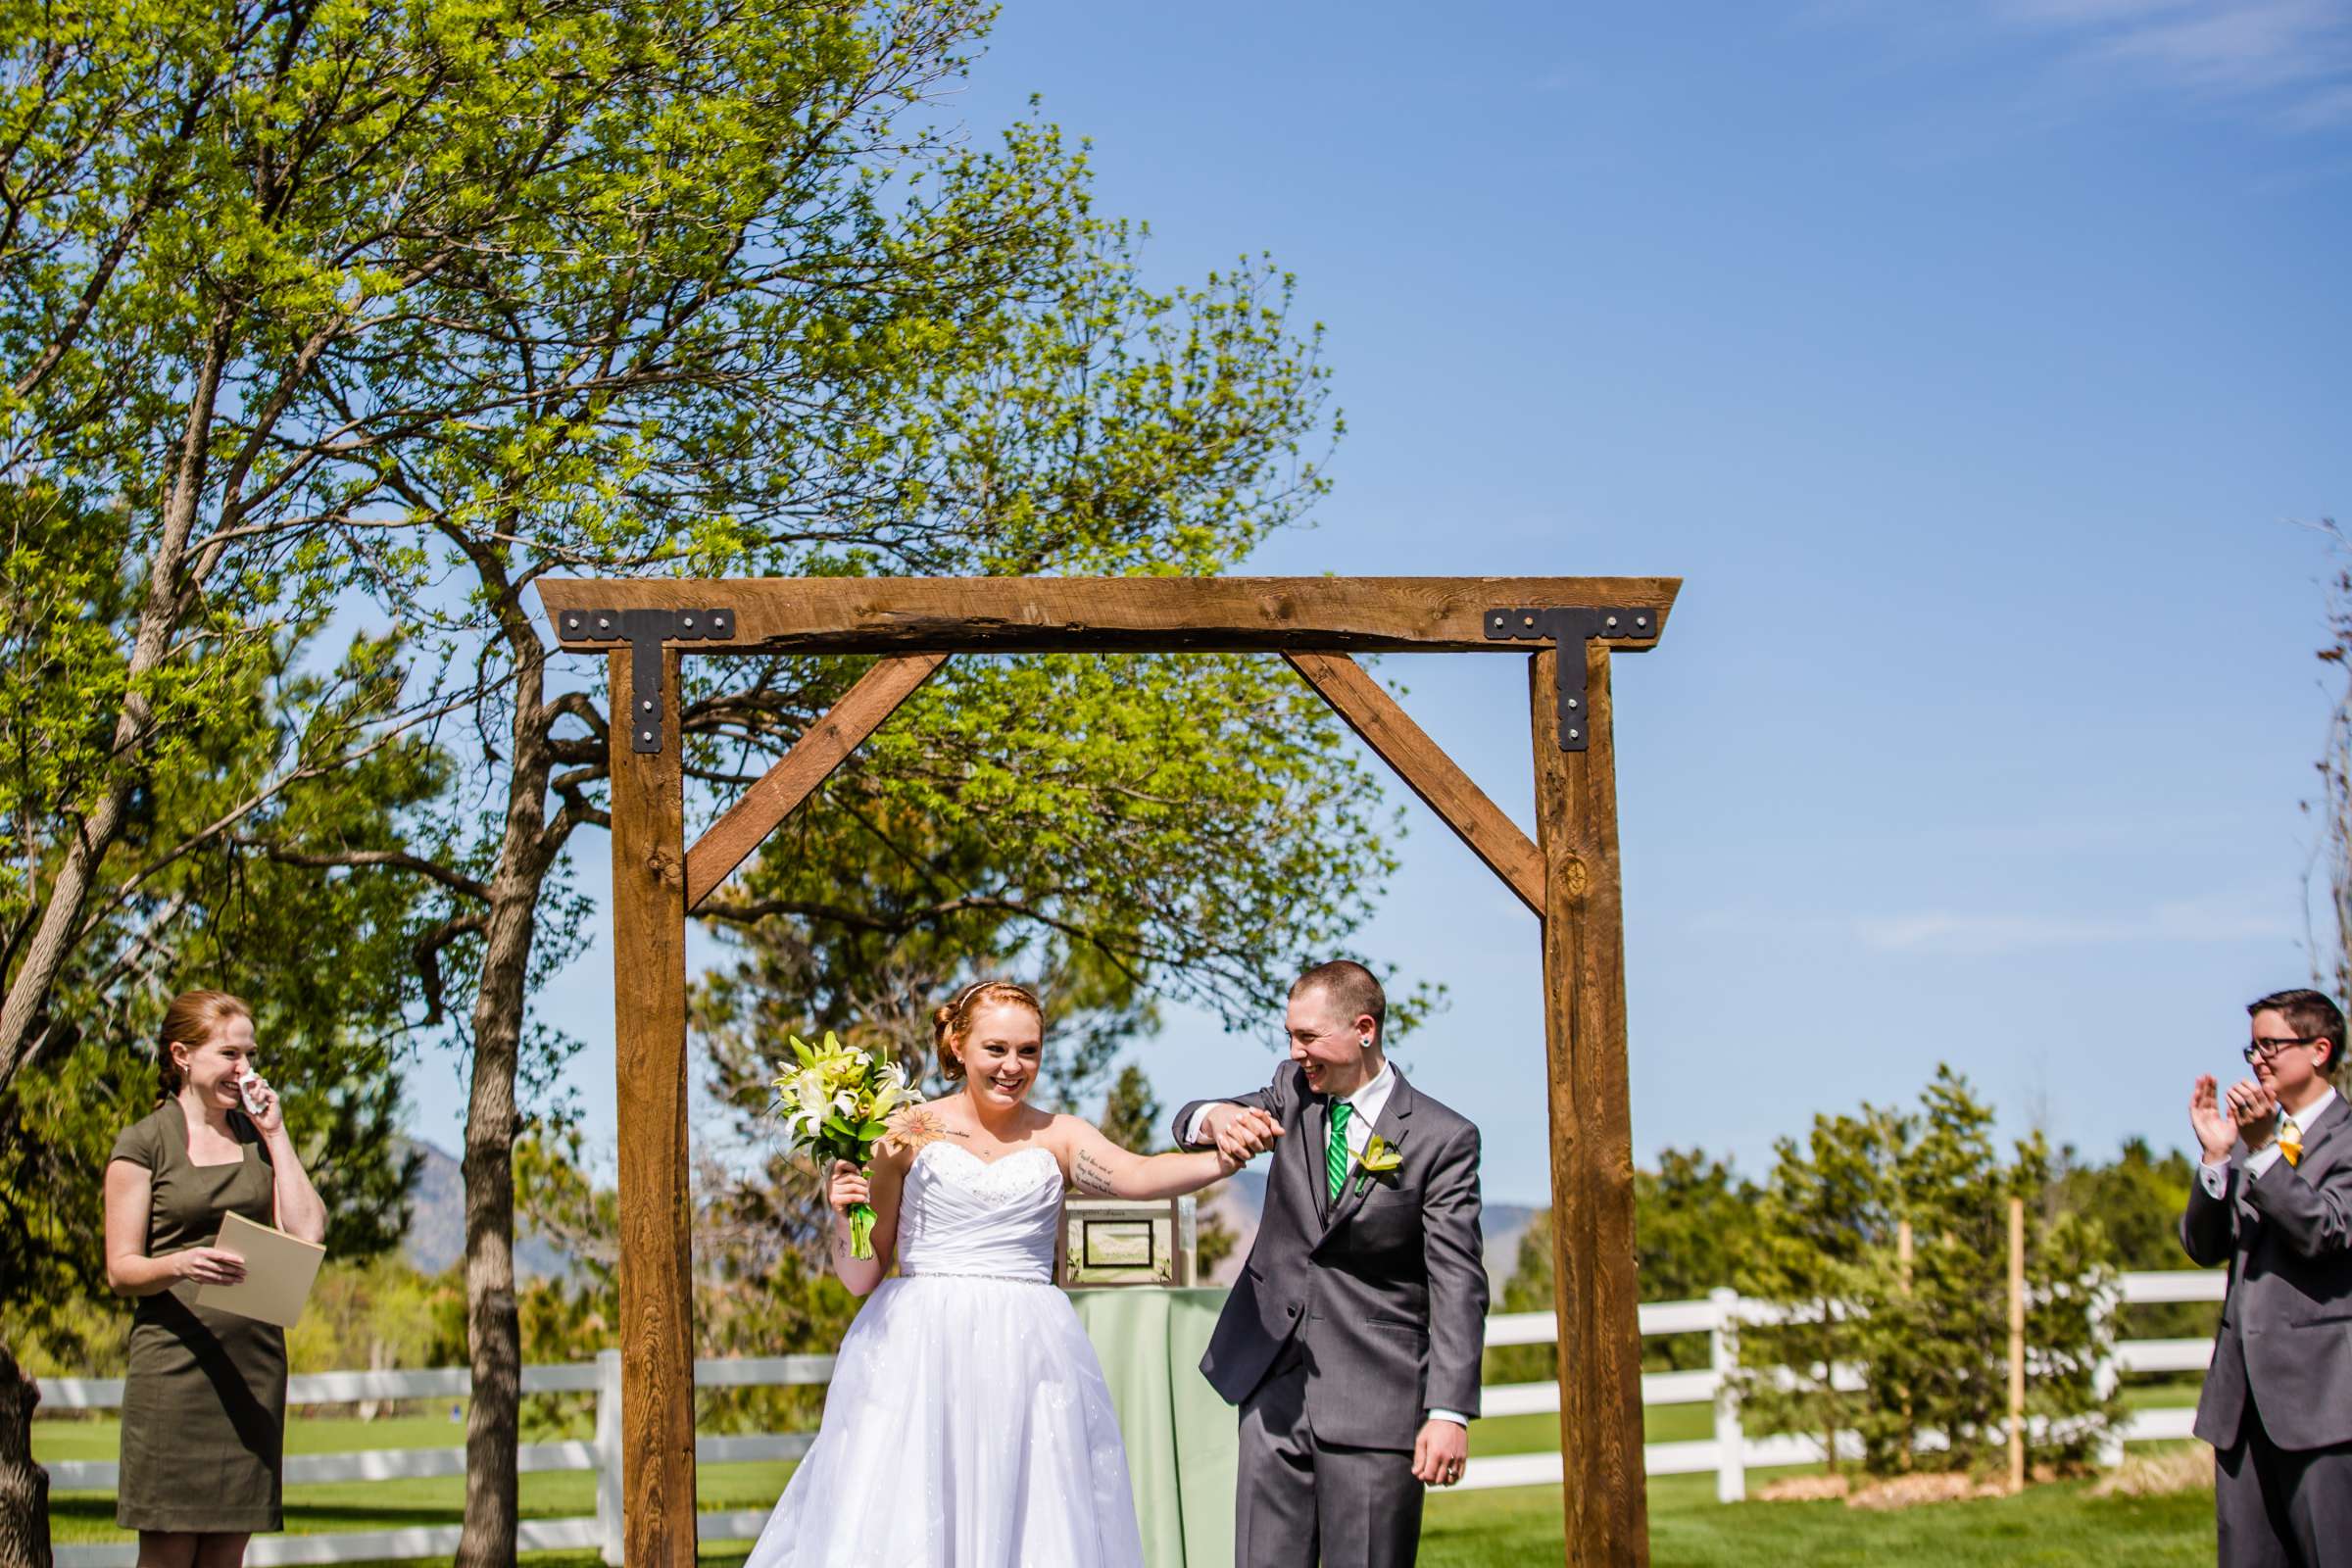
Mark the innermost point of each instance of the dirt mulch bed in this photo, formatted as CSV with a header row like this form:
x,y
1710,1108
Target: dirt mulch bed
x,y
1909,1492
2156,1475
1805,1489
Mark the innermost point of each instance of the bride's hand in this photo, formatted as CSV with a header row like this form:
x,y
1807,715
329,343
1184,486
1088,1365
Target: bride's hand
x,y
845,1188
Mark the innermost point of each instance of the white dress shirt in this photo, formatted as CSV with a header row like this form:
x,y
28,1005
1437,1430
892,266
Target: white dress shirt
x,y
1363,1110
2215,1175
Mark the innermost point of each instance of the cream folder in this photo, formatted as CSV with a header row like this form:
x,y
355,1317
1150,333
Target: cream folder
x,y
278,1270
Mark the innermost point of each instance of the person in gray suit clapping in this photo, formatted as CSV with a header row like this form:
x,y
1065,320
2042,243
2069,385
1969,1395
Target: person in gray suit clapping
x,y
2273,1200
1352,1338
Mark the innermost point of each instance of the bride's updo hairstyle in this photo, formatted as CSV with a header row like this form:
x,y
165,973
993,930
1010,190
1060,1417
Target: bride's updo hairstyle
x,y
952,1020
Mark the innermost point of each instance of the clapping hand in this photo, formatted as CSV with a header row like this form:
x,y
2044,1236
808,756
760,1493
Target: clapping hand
x,y
2216,1128
2255,1110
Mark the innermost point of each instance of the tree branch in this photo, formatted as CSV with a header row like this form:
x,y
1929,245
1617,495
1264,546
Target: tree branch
x,y
397,859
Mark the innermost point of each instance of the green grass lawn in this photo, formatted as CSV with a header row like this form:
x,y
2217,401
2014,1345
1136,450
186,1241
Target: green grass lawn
x,y
2056,1526
2048,1527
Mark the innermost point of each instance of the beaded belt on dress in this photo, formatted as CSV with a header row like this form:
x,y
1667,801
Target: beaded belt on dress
x,y
968,1274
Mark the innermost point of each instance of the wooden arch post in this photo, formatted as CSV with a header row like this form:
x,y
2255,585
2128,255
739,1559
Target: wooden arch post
x,y
1567,876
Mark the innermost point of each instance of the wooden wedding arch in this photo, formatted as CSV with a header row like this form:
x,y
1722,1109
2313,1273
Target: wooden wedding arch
x,y
1568,876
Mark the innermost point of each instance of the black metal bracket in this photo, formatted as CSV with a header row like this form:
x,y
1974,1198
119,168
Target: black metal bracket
x,y
644,631
1571,629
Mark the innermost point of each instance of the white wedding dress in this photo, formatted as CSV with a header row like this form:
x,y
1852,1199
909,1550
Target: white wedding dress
x,y
967,1423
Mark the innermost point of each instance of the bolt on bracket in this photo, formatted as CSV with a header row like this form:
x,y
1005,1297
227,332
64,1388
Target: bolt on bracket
x,y
1571,629
646,631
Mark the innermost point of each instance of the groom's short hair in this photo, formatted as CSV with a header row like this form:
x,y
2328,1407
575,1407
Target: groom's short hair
x,y
2312,1015
1354,989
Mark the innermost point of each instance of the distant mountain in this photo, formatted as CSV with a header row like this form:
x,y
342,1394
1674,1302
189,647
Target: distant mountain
x,y
1241,1198
436,1237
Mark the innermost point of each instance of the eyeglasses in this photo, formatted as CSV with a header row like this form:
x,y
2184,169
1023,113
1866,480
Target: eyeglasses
x,y
2268,1046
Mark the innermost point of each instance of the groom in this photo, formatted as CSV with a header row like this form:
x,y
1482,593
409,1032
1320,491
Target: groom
x,y
1352,1338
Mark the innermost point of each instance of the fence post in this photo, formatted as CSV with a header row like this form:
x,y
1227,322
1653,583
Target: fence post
x,y
608,1455
2103,1374
1722,1353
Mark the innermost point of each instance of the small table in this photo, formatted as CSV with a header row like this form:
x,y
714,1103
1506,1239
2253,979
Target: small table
x,y
1182,1438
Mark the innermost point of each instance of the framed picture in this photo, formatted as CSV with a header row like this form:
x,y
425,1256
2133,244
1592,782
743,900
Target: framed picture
x,y
1109,1242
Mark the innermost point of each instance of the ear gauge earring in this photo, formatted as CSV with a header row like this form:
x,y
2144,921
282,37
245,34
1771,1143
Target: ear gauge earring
x,y
1365,1041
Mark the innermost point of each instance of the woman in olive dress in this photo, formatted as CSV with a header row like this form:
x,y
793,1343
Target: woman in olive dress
x,y
204,1407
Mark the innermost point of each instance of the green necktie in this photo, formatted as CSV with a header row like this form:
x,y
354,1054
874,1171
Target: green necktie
x,y
1335,1158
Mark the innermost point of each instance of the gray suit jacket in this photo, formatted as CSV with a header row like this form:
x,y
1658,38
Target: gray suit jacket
x,y
1385,1289
2285,1339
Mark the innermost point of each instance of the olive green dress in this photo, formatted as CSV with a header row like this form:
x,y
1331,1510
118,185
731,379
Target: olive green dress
x,y
204,1406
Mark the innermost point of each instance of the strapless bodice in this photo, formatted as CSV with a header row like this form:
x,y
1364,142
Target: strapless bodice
x,y
961,1214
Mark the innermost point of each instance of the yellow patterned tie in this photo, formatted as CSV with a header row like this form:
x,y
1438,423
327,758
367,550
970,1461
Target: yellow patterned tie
x,y
2291,1139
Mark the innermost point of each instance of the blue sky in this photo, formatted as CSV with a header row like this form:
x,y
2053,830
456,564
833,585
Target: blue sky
x,y
1980,366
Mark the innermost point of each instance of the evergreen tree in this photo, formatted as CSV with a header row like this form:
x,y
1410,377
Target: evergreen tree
x,y
1824,1251
1884,1349
1694,1219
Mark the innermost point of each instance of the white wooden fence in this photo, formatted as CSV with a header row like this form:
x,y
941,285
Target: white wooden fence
x,y
1730,1453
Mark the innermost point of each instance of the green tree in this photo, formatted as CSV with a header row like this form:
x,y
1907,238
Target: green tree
x,y
1884,1349
417,305
756,1292
1694,1219
1131,1112
324,960
380,1313
1825,1243
1695,1222
2137,1200
153,326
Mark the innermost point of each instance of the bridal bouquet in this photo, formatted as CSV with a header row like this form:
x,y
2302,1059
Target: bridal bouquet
x,y
836,1103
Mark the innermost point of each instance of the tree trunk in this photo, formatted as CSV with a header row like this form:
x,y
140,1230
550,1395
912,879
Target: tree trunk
x,y
160,613
24,1485
493,1323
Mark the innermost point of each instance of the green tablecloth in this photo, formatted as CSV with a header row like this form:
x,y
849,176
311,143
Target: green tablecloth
x,y
1181,1438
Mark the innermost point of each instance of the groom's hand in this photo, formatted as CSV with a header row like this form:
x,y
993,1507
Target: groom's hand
x,y
1241,1132
1440,1453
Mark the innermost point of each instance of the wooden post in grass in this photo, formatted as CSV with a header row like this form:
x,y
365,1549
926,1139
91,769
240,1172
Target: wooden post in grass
x,y
649,952
1902,1283
1595,1294
2017,1344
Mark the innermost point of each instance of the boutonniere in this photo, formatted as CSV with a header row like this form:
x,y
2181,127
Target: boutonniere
x,y
1381,1160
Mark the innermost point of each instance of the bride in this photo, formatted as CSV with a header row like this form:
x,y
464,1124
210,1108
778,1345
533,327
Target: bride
x,y
967,1423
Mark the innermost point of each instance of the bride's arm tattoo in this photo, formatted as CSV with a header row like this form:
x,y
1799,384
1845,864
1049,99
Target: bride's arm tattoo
x,y
1088,1173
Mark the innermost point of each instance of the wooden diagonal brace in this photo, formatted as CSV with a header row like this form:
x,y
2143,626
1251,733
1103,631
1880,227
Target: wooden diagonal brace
x,y
730,840
1423,765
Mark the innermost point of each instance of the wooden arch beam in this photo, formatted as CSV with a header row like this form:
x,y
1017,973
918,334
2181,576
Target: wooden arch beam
x,y
1433,775
813,758
921,621
1097,615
